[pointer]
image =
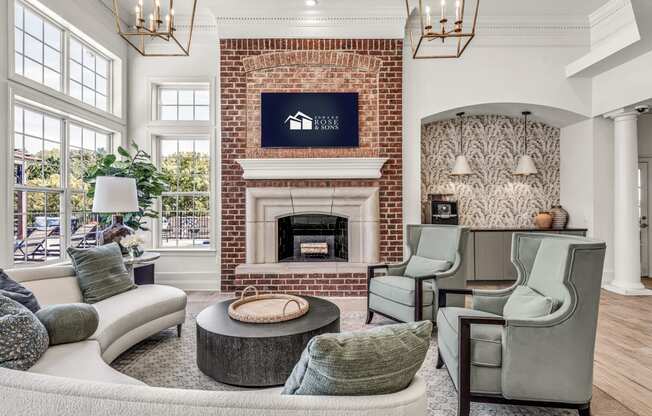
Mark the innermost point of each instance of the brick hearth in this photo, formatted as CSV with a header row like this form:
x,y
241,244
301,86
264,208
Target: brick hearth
x,y
371,67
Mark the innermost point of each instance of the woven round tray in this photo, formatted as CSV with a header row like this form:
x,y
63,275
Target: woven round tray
x,y
267,308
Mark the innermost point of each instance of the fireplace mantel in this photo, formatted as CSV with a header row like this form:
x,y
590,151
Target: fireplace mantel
x,y
313,168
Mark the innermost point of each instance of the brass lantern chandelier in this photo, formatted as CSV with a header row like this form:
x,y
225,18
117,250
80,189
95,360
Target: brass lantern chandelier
x,y
436,30
152,25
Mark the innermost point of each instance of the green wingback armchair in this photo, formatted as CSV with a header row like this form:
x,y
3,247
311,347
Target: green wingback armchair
x,y
435,261
533,343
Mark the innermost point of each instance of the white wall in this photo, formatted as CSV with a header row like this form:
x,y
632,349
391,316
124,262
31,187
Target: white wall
x,y
528,75
645,135
586,175
185,269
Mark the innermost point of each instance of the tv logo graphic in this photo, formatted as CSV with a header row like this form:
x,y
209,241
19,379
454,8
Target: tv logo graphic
x,y
302,121
299,121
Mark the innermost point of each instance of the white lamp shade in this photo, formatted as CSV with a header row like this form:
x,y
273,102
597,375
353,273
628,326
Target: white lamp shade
x,y
525,166
461,166
115,195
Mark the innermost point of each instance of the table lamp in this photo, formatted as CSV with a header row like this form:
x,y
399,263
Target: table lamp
x,y
116,196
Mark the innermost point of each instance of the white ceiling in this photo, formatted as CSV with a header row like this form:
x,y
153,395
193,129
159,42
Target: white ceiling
x,y
361,8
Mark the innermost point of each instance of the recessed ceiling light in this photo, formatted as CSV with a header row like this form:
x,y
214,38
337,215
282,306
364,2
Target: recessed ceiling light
x,y
311,3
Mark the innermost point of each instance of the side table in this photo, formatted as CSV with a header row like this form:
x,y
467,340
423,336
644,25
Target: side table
x,y
141,268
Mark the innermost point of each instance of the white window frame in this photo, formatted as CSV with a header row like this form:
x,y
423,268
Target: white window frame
x,y
109,74
156,105
63,190
114,111
156,157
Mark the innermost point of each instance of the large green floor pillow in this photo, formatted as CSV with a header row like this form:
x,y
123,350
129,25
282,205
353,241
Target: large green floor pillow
x,y
101,272
23,338
378,361
69,322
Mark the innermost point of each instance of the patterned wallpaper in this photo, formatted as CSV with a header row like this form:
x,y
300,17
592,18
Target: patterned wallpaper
x,y
493,196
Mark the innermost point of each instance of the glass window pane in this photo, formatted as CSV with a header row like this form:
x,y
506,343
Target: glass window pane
x,y
34,49
18,15
33,123
75,138
52,128
18,63
52,59
75,71
89,78
100,85
52,79
186,113
89,140
89,96
33,24
52,36
168,112
186,97
202,97
168,97
102,67
18,119
88,58
201,113
75,90
18,41
33,70
75,50
102,143
33,149
100,101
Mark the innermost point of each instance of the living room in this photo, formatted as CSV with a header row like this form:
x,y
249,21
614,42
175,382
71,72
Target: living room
x,y
225,206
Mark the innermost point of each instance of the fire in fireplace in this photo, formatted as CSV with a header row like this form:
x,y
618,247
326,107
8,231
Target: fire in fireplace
x,y
313,237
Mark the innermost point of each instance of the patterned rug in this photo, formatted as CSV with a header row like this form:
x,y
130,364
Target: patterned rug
x,y
165,360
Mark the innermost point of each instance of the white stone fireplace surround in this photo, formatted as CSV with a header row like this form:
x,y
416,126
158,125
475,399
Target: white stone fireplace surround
x,y
265,205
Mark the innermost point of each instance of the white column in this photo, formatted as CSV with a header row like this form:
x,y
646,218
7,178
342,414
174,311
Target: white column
x,y
627,245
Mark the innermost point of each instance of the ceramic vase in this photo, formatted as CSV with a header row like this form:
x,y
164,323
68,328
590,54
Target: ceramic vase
x,y
543,220
559,217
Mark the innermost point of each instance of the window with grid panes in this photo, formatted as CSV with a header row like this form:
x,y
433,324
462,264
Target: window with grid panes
x,y
37,47
185,212
184,104
89,75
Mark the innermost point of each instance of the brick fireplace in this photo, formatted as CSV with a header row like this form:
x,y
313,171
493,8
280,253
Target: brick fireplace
x,y
370,203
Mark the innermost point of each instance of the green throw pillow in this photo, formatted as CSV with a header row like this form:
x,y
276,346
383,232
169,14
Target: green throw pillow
x,y
72,322
23,339
525,303
101,272
378,361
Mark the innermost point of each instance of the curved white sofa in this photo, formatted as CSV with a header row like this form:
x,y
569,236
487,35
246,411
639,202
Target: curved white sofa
x,y
76,380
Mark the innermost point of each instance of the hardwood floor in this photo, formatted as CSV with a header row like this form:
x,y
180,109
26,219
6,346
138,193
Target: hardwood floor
x,y
623,357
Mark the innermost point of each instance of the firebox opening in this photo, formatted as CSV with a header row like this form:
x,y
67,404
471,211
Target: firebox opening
x,y
313,237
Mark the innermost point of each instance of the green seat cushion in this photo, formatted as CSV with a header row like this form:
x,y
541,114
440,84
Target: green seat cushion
x,y
23,339
486,340
72,322
383,360
525,302
422,266
101,272
400,289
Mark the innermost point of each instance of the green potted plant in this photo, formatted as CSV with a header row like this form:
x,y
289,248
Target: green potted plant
x,y
137,164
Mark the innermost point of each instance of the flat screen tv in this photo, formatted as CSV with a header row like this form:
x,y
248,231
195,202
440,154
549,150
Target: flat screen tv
x,y
309,119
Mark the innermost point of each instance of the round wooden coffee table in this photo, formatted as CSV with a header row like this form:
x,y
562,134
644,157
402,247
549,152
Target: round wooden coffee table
x,y
258,355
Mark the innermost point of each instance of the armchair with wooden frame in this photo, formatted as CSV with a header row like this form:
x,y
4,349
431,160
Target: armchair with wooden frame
x,y
435,260
531,344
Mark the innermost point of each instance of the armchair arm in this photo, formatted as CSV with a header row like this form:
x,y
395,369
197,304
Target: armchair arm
x,y
464,368
452,270
441,295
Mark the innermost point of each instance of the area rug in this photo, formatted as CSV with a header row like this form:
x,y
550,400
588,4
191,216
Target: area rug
x,y
165,360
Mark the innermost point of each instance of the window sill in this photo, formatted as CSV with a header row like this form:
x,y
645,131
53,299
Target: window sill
x,y
199,252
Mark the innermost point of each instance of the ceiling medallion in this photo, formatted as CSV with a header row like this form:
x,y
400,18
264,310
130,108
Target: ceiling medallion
x,y
147,30
426,32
